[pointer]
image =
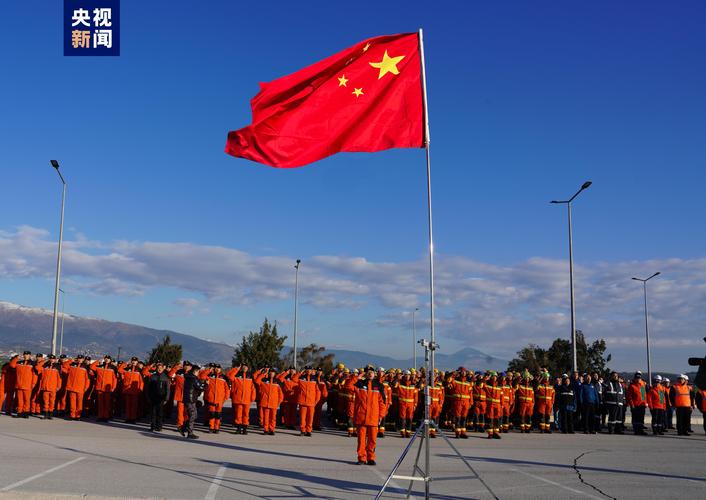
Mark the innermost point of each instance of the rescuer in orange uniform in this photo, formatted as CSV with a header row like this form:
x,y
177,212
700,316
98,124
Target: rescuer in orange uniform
x,y
49,383
657,402
242,392
544,402
270,396
494,396
461,393
323,389
36,400
680,398
637,399
133,385
177,374
288,411
106,381
408,398
508,402
215,395
308,395
479,403
61,393
77,383
24,381
437,395
346,394
383,379
525,401
369,409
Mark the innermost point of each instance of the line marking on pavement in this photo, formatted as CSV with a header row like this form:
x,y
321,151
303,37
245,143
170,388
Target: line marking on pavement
x,y
539,478
41,474
216,483
384,477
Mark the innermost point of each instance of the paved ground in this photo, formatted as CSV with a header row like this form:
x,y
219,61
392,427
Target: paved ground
x,y
49,459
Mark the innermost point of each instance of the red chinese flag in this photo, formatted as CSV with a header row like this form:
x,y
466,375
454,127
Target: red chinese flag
x,y
365,98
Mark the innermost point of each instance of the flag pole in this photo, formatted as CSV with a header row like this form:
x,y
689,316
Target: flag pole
x,y
430,368
429,348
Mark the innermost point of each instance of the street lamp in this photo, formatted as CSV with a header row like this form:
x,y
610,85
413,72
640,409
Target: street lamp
x,y
414,337
296,293
63,307
647,331
55,164
585,185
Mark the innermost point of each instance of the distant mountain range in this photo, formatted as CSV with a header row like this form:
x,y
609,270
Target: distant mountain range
x,y
30,328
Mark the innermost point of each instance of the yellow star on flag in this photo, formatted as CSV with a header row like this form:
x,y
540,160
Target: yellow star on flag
x,y
342,81
358,92
387,65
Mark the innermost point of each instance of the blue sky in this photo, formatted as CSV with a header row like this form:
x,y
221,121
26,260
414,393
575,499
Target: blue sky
x,y
526,102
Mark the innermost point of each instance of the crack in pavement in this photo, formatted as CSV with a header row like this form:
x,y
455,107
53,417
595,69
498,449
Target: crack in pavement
x,y
583,481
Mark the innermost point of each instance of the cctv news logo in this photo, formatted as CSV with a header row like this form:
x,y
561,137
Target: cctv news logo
x,y
91,27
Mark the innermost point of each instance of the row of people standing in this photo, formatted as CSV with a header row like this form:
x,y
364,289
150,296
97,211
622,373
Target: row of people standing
x,y
584,401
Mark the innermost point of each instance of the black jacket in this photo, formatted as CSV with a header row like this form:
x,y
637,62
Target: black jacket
x,y
158,387
613,393
566,397
193,388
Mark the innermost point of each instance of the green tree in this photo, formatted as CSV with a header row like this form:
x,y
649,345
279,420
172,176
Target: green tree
x,y
313,355
260,349
530,358
166,352
596,360
558,357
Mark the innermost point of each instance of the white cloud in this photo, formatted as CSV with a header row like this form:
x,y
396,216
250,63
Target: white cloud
x,y
493,307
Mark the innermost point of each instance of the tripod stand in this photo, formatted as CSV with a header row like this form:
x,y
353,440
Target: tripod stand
x,y
423,434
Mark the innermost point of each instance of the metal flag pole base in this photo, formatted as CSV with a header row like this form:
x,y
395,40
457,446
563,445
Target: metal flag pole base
x,y
423,434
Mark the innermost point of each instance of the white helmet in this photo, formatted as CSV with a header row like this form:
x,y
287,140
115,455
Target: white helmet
x,y
658,378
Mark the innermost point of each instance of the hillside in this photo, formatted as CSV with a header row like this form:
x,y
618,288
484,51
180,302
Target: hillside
x,y
30,328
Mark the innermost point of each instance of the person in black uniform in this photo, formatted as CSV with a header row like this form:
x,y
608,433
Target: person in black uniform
x,y
567,406
158,385
193,387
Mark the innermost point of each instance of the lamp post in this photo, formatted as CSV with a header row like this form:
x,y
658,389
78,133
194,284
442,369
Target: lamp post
x,y
55,164
296,294
63,308
647,331
414,337
585,185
